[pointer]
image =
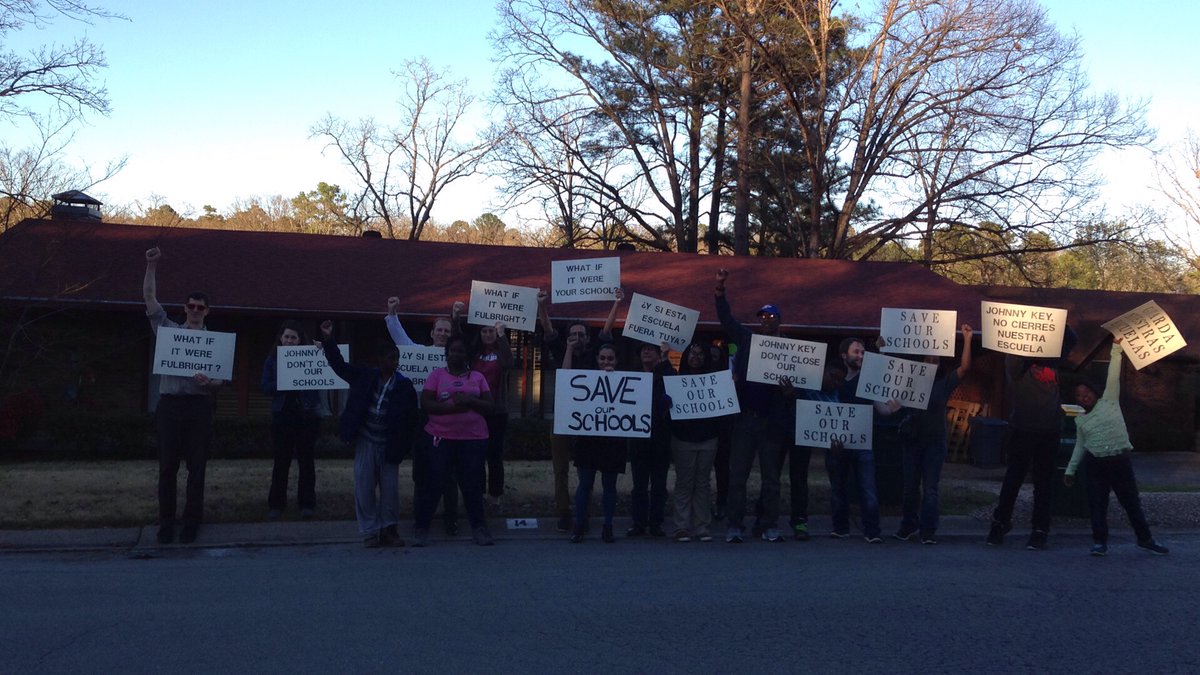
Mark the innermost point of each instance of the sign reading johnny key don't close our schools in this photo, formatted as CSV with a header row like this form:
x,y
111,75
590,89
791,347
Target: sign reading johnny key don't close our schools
x,y
514,306
301,368
1023,330
772,358
597,403
185,352
584,280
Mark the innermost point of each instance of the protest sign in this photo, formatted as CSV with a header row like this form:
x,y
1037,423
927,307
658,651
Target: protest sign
x,y
774,357
185,352
884,378
818,424
1022,330
304,367
700,396
656,322
918,331
417,361
598,403
515,306
1147,334
584,280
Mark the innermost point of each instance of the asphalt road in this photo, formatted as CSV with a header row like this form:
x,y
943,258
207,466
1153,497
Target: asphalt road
x,y
634,606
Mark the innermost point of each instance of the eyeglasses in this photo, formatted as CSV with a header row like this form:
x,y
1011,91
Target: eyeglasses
x,y
196,307
768,315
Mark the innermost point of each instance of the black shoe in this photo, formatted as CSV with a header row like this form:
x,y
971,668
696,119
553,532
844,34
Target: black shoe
x,y
904,534
166,534
996,534
1151,546
1099,550
1037,541
420,538
928,538
482,536
564,524
656,530
451,528
372,541
636,531
606,534
800,531
576,536
390,537
188,534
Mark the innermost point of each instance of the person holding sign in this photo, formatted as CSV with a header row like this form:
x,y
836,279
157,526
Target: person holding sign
x,y
492,357
1102,443
380,419
295,423
760,429
650,458
183,417
602,454
456,399
693,449
925,452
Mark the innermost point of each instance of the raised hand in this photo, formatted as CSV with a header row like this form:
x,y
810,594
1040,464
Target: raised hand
x,y
153,255
327,329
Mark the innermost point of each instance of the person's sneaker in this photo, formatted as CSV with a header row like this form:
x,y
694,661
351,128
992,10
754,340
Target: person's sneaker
x,y
873,539
706,537
636,531
388,536
606,534
307,514
996,534
1099,550
800,530
1154,547
772,535
420,538
1037,541
371,541
904,534
274,514
839,534
733,535
656,530
188,534
166,534
451,528
682,536
564,524
482,536
576,536
928,538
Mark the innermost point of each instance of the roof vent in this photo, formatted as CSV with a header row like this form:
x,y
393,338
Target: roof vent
x,y
75,205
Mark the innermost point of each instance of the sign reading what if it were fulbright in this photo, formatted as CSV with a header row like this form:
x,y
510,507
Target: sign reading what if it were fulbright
x,y
300,368
918,331
514,306
418,361
184,352
884,378
656,321
584,280
774,357
1022,330
818,424
702,396
1147,334
598,403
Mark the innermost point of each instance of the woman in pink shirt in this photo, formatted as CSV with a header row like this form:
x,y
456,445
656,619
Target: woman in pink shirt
x,y
456,399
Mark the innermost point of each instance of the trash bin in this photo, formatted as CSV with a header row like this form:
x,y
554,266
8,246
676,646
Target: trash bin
x,y
987,441
1069,502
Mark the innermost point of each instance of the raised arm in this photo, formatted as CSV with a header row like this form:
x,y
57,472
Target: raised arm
x,y
733,328
399,336
1112,384
964,363
503,350
607,331
333,356
149,283
568,360
548,331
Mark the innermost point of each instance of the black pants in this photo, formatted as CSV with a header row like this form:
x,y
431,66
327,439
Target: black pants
x,y
649,462
798,459
721,462
184,425
497,424
1115,474
295,438
1029,452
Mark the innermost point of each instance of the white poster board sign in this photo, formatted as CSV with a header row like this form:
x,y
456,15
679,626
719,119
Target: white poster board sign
x,y
1023,330
656,321
302,368
1147,334
701,396
584,280
818,424
515,306
918,331
774,357
596,403
418,361
185,352
884,378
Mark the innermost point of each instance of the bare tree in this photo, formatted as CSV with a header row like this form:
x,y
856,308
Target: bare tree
x,y
403,168
1178,178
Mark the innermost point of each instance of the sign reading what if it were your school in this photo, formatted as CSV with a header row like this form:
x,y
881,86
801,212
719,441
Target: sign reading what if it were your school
x,y
918,331
185,352
1147,334
1022,330
656,321
514,306
584,280
303,367
818,424
598,403
418,361
702,395
884,378
772,358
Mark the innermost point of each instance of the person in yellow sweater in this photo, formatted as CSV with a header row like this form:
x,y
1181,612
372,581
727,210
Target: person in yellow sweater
x,y
1102,443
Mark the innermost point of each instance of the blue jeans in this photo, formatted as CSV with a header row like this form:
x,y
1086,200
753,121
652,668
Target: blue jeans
x,y
841,465
922,462
583,494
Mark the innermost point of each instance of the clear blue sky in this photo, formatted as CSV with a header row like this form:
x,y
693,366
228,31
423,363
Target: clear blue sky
x,y
212,101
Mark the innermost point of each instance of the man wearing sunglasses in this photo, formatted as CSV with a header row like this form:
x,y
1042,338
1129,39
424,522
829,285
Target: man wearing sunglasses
x,y
183,417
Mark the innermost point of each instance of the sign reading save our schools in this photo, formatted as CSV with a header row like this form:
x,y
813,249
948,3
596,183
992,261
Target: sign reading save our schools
x,y
596,403
1147,334
514,306
801,361
418,361
884,378
185,352
656,322
700,396
818,424
918,331
304,367
584,280
1023,330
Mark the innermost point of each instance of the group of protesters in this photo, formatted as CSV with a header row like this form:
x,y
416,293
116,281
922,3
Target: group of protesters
x,y
454,429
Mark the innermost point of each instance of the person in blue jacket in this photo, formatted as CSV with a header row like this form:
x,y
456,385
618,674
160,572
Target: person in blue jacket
x,y
295,424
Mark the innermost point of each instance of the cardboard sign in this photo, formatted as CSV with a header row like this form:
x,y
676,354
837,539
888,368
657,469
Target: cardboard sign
x,y
656,322
701,396
1147,334
884,378
774,357
596,403
1022,330
185,352
515,306
301,368
584,280
818,424
418,361
918,331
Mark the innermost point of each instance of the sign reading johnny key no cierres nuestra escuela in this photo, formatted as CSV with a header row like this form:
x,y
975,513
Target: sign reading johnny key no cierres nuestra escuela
x,y
514,306
1023,330
584,280
185,352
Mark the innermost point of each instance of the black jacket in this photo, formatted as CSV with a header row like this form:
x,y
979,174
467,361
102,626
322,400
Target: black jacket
x,y
401,404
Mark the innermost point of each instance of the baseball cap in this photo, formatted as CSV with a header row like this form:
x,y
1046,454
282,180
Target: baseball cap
x,y
768,309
